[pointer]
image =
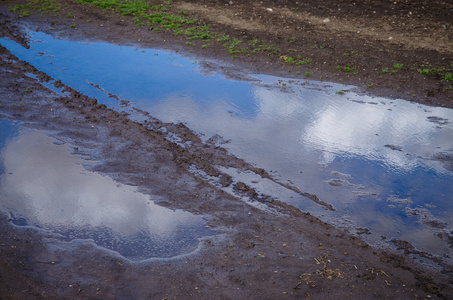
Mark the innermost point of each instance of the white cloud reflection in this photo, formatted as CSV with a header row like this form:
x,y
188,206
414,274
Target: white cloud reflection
x,y
46,185
309,123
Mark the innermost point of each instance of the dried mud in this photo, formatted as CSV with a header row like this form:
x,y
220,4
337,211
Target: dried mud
x,y
278,252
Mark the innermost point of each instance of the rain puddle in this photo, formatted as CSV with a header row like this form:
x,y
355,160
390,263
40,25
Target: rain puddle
x,y
384,165
43,185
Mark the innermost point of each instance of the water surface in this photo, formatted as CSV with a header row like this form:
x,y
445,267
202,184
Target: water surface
x,y
381,163
43,185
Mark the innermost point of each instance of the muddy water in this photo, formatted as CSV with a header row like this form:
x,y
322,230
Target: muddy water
x,y
384,165
43,185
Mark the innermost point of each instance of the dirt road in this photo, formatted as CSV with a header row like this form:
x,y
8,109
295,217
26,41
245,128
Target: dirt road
x,y
398,49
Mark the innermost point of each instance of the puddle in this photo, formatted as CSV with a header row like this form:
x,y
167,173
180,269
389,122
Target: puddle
x,y
43,185
151,74
382,164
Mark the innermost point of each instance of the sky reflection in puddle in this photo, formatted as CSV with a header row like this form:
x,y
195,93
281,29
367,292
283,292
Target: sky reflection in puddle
x,y
375,160
43,185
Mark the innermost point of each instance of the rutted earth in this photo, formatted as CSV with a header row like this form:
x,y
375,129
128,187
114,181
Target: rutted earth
x,y
268,253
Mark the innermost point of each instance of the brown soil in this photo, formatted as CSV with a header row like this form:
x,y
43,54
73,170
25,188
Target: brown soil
x,y
283,253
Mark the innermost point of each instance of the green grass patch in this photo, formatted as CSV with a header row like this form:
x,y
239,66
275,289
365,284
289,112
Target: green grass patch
x,y
290,60
235,42
254,42
424,71
303,61
350,52
137,21
178,31
222,38
105,4
159,7
133,8
37,5
231,47
166,20
346,69
447,77
440,73
199,32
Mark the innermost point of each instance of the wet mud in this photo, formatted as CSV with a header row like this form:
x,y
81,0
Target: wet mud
x,y
263,248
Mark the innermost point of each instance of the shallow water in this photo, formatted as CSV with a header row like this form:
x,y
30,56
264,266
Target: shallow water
x,y
379,162
43,185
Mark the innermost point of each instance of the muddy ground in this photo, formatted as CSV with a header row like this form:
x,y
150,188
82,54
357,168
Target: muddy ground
x,y
276,253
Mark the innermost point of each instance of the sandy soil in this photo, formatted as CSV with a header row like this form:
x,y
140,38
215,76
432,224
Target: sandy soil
x,y
273,254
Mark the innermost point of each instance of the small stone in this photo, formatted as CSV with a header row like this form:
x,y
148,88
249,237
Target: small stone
x,y
326,20
241,186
